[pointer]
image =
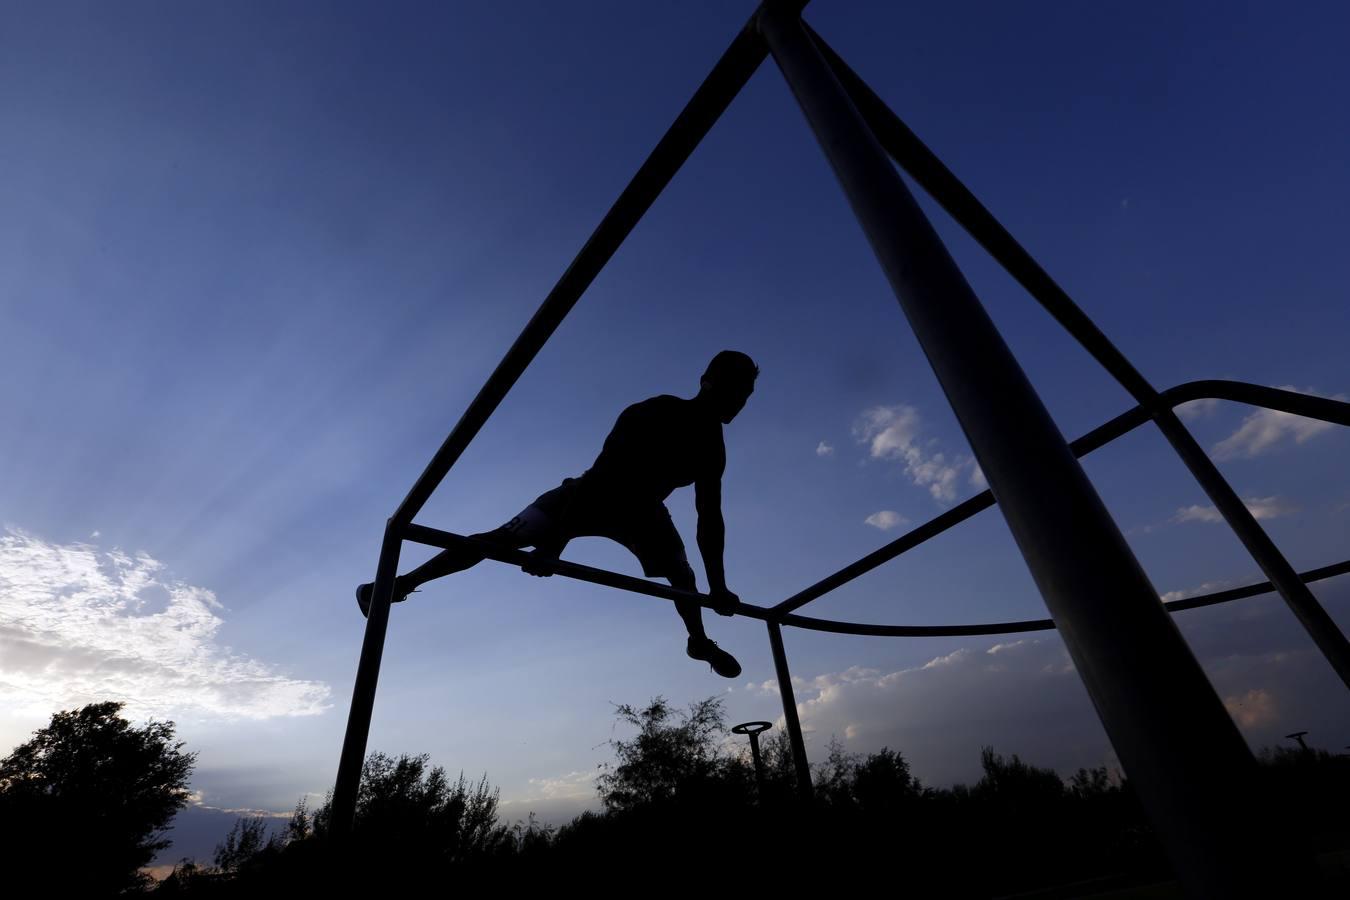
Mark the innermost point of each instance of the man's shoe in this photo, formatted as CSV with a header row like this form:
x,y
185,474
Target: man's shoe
x,y
365,592
723,663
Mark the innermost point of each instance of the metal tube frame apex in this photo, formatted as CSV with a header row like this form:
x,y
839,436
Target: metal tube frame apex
x,y
1099,598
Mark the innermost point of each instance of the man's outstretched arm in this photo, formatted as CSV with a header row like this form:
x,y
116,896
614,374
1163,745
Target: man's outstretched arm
x,y
712,540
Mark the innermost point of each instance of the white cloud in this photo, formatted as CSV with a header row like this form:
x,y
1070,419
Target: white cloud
x,y
572,786
1259,507
977,479
1197,409
1209,587
892,433
1020,696
886,519
1266,429
824,449
79,625
1197,514
557,799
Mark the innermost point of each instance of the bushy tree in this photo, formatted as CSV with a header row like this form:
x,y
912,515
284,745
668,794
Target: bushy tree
x,y
246,844
86,803
410,806
673,752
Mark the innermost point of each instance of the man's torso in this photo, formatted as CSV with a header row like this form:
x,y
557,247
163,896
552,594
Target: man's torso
x,y
656,446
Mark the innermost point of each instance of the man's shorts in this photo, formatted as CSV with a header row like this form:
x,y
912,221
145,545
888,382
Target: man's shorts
x,y
566,512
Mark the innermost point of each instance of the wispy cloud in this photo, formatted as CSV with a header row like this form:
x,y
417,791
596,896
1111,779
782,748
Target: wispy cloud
x,y
1266,429
1259,507
886,519
1209,587
79,624
824,449
1197,409
572,786
892,433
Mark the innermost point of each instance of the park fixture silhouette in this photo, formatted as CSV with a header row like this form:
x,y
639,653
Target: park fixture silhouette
x,y
753,729
1201,792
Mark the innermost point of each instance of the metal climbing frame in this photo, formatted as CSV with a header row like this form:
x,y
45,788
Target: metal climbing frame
x,y
1200,790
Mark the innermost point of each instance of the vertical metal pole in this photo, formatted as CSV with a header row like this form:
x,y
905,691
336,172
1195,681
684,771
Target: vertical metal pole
x,y
759,762
794,725
363,694
1201,791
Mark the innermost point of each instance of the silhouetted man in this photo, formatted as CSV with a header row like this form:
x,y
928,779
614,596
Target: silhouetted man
x,y
656,445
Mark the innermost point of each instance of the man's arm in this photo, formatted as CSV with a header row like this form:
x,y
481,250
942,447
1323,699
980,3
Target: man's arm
x,y
712,535
712,530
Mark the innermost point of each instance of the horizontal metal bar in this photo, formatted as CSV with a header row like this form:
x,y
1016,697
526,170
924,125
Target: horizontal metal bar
x,y
835,627
433,537
1323,408
721,86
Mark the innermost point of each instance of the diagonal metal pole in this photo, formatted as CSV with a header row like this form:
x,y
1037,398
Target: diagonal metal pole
x,y
723,83
1191,767
944,187
702,111
794,725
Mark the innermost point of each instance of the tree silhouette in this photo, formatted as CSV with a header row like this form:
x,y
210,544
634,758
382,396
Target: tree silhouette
x,y
86,802
672,751
406,804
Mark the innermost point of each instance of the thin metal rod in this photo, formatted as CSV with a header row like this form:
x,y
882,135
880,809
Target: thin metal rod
x,y
1309,612
721,86
944,187
794,725
867,630
759,764
1323,408
1097,437
1171,732
433,537
363,693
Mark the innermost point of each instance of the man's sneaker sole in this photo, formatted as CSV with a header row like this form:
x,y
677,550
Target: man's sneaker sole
x,y
721,662
363,597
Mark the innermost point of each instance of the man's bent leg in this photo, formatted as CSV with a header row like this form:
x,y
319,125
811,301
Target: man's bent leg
x,y
690,611
700,646
523,530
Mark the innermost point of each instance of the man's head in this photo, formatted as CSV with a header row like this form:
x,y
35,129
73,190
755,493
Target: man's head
x,y
728,382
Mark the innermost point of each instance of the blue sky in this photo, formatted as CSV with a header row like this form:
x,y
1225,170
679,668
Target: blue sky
x,y
256,260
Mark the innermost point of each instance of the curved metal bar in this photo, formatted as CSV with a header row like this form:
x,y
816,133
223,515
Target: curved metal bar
x,y
1326,409
1097,437
944,187
834,627
1313,407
